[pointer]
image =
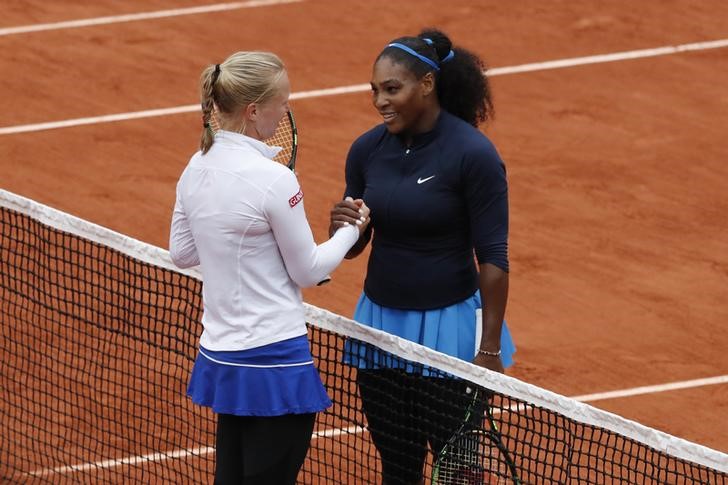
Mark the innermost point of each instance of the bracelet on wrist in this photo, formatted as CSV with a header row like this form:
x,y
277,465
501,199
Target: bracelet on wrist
x,y
489,353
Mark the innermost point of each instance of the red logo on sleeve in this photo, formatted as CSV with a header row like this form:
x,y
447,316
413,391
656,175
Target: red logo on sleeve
x,y
296,199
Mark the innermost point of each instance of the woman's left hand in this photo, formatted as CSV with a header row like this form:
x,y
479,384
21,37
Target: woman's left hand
x,y
492,362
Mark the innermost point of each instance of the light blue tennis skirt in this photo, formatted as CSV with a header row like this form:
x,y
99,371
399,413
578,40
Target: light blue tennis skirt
x,y
453,330
271,380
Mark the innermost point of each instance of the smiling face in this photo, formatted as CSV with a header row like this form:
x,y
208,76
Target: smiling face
x,y
404,102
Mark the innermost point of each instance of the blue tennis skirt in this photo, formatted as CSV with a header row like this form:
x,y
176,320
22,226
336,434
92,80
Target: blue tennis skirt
x,y
270,380
454,330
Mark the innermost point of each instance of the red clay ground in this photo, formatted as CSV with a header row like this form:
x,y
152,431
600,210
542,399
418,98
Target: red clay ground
x,y
619,242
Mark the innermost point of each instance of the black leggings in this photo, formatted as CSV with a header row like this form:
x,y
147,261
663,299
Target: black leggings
x,y
253,450
405,412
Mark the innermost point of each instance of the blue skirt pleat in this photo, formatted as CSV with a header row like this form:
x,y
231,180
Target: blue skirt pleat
x,y
450,330
271,380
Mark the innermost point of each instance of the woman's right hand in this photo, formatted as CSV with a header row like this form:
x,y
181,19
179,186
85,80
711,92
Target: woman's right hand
x,y
349,212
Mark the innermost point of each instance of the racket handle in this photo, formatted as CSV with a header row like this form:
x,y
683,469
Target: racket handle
x,y
324,281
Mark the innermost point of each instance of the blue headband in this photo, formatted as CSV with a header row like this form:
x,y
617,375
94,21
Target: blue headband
x,y
424,59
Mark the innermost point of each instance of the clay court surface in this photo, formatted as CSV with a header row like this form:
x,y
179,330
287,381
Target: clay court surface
x,y
617,170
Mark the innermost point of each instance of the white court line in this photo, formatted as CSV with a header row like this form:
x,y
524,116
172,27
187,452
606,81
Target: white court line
x,y
129,460
170,455
192,452
636,391
72,24
356,88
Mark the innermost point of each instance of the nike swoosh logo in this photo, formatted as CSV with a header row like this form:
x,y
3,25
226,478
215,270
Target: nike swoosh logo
x,y
422,181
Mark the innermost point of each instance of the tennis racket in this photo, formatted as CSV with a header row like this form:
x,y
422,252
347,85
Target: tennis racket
x,y
474,455
285,136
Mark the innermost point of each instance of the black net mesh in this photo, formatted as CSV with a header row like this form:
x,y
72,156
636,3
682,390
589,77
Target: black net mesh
x,y
97,347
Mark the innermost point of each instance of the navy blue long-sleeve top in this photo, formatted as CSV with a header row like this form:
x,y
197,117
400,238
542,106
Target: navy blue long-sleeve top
x,y
432,204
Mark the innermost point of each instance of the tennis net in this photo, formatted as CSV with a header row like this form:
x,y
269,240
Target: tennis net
x,y
99,334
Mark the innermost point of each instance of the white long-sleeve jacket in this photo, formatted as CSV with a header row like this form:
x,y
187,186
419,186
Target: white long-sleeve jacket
x,y
240,216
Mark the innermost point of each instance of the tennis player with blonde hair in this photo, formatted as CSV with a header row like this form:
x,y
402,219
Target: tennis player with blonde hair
x,y
240,216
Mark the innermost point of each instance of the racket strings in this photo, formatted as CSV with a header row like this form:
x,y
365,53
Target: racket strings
x,y
473,459
283,137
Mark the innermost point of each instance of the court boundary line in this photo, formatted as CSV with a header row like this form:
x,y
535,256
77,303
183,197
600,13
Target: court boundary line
x,y
528,393
356,88
133,17
205,450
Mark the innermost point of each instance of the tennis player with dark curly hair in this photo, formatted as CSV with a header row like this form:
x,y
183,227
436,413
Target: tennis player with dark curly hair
x,y
438,195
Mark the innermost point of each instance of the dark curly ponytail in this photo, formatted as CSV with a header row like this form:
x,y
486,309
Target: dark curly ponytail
x,y
462,86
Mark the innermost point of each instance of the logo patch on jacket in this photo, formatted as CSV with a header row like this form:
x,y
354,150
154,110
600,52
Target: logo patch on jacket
x,y
296,199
